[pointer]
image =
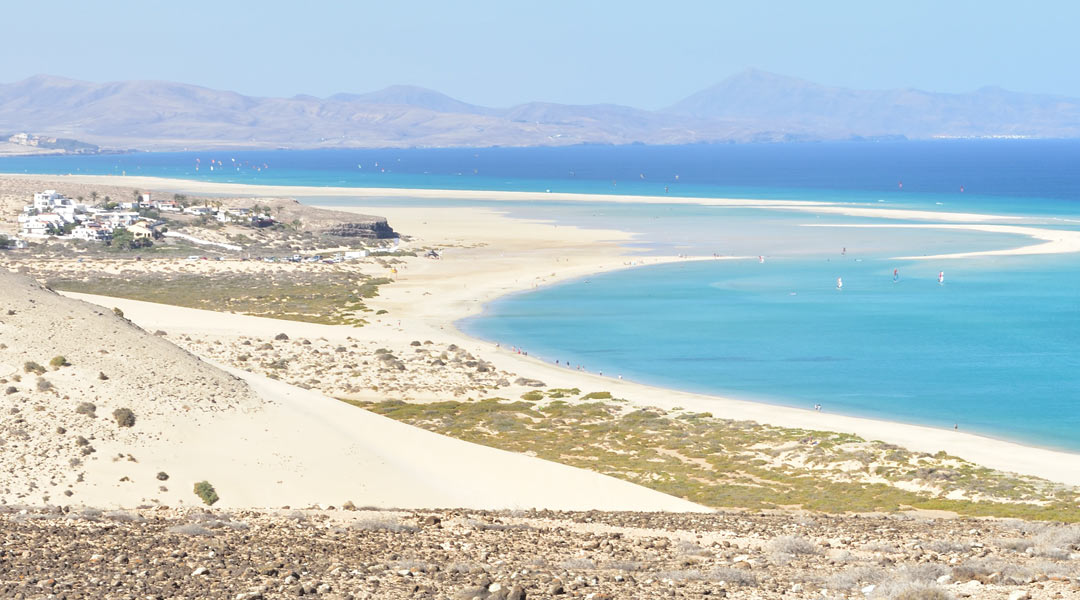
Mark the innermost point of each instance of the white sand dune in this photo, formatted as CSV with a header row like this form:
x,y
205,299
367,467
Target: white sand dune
x,y
305,449
259,442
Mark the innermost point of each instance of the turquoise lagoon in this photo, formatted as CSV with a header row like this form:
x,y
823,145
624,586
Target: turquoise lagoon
x,y
993,349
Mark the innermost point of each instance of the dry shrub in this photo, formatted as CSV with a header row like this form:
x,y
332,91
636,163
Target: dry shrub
x,y
124,417
733,576
577,564
382,524
789,544
190,529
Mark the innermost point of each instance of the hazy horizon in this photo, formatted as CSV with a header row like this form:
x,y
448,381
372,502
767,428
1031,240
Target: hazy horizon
x,y
499,55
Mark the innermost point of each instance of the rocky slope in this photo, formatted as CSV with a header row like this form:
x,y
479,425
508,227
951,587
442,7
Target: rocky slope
x,y
463,555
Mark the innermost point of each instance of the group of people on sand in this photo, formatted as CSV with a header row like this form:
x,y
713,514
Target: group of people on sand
x,y
566,364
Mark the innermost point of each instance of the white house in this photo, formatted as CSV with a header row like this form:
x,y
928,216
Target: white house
x,y
117,219
199,210
91,232
233,214
167,206
50,201
40,225
45,201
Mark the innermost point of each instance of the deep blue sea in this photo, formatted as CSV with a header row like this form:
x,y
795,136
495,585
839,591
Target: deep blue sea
x,y
993,349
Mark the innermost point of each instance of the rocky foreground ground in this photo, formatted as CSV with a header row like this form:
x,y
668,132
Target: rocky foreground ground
x,y
347,553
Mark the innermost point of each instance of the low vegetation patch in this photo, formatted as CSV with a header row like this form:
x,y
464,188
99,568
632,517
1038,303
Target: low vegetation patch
x,y
32,367
724,463
330,297
206,492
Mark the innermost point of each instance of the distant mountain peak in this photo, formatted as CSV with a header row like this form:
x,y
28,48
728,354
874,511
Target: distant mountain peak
x,y
412,95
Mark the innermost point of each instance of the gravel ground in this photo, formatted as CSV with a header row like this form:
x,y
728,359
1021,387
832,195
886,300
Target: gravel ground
x,y
341,552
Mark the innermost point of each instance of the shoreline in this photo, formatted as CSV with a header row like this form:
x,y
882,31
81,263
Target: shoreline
x,y
488,255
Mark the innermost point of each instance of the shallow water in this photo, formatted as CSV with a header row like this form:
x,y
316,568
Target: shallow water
x,y
993,349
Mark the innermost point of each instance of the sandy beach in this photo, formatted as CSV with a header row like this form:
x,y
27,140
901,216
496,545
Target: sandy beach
x,y
487,255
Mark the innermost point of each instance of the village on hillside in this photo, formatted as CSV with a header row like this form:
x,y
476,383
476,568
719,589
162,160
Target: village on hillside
x,y
84,222
134,223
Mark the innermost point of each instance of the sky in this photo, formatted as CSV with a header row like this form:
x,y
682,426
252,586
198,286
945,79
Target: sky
x,y
500,53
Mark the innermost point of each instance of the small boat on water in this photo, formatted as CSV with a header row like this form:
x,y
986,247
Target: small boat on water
x,y
941,277
839,283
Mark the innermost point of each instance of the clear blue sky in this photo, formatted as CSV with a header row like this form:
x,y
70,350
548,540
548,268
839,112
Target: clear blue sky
x,y
498,53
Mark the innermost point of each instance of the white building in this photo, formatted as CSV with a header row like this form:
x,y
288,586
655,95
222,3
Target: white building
x,y
45,201
91,232
199,210
40,225
141,230
50,201
117,219
234,214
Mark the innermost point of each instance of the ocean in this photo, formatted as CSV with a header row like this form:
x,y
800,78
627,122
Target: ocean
x,y
992,350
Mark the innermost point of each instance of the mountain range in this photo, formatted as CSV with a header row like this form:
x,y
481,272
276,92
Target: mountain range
x,y
750,106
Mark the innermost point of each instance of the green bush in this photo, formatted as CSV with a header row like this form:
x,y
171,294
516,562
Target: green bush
x,y
32,367
58,361
533,396
206,492
597,396
124,417
116,311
